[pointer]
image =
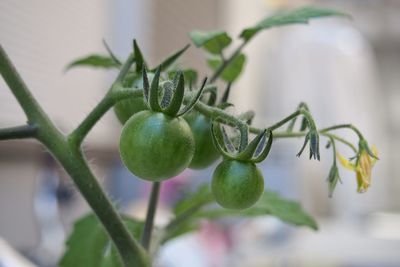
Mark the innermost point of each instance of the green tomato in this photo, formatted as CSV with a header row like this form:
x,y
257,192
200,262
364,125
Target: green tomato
x,y
205,152
155,147
236,184
126,108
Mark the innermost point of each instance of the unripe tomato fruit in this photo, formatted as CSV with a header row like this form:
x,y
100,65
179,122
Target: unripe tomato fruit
x,y
205,152
126,108
155,147
236,184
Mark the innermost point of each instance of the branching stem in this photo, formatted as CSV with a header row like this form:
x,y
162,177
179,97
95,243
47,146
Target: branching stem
x,y
151,211
116,93
341,126
19,132
73,161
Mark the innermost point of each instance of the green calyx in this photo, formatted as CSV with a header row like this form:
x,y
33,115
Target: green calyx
x,y
255,151
312,137
167,97
363,145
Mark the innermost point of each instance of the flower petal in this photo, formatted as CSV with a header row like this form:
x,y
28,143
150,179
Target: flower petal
x,y
346,163
375,152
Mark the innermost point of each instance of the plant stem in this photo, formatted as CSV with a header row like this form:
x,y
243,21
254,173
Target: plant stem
x,y
219,114
108,101
226,63
111,54
341,140
73,161
125,68
32,111
301,134
247,116
132,254
285,120
341,126
18,132
77,136
105,104
151,211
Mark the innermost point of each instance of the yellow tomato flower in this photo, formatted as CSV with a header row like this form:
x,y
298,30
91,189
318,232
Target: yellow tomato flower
x,y
362,167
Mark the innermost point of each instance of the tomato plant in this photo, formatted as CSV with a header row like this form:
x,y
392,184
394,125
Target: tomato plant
x,y
160,139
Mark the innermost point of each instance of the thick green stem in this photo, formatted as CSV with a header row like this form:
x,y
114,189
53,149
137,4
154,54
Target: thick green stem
x,y
72,159
18,132
151,211
32,111
77,136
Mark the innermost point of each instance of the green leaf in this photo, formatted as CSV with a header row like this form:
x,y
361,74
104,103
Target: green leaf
x,y
185,210
96,61
269,204
193,200
194,207
232,71
89,245
298,16
214,42
187,226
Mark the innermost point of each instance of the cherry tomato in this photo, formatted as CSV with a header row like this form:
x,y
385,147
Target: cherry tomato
x,y
155,146
236,184
205,152
126,108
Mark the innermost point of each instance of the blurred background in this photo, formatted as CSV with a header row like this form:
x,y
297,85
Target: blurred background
x,y
346,70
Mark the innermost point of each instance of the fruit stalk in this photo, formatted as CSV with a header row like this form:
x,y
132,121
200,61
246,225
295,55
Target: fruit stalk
x,y
151,211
